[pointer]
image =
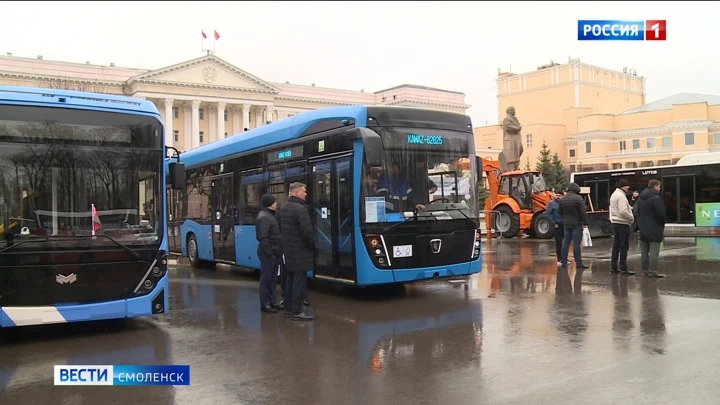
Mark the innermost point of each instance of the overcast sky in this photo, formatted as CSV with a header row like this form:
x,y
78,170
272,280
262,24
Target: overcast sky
x,y
374,45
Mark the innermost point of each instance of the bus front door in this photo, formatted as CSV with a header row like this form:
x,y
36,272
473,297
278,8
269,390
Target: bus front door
x,y
224,218
332,202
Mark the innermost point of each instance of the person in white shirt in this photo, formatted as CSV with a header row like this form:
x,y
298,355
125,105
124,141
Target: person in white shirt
x,y
621,216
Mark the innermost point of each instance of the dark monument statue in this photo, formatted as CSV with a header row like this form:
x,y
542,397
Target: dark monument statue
x,y
509,158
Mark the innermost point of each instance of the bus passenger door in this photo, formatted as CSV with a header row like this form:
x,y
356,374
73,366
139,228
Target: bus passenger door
x,y
224,218
332,200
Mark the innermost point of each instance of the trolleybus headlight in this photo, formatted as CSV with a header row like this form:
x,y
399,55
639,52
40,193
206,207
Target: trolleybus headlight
x,y
148,284
378,252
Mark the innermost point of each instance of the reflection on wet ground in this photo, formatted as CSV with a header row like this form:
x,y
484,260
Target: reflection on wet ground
x,y
524,331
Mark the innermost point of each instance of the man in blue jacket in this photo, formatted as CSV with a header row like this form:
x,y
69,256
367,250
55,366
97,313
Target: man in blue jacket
x,y
555,219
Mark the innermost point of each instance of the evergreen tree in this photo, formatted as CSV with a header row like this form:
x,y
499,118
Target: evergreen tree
x,y
527,164
483,193
544,163
560,176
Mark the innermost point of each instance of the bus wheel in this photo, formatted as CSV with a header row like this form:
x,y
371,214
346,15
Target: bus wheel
x,y
541,227
193,251
507,223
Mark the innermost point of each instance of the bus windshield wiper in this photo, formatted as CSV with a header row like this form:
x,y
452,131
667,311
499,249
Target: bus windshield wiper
x,y
55,238
127,249
414,218
452,207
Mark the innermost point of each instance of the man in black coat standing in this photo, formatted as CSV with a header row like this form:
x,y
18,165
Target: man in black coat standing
x,y
573,211
298,244
269,253
651,221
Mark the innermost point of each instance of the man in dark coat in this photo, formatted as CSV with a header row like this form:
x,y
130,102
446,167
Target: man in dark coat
x,y
651,221
298,245
573,211
269,253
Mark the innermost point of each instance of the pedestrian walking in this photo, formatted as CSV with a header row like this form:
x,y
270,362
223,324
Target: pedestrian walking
x,y
622,219
651,221
299,246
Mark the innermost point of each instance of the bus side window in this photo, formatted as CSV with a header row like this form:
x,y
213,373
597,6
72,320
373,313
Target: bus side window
x,y
252,187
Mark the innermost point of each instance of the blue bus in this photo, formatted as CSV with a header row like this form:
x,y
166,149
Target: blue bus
x,y
82,207
345,156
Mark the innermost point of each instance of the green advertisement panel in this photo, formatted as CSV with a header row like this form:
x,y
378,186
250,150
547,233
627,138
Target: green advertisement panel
x,y
707,214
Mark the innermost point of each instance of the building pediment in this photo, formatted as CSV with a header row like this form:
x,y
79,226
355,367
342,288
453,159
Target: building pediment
x,y
208,71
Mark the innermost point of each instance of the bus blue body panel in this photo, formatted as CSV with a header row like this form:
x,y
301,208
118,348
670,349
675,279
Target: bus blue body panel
x,y
34,96
281,131
203,238
246,245
127,308
368,273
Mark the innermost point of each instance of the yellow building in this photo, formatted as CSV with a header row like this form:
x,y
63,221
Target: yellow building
x,y
553,102
206,99
658,133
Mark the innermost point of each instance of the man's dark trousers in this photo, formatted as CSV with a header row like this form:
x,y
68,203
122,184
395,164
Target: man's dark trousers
x,y
295,290
268,280
559,236
574,235
621,245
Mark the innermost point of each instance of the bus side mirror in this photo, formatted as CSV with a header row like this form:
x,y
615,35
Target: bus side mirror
x,y
177,176
372,144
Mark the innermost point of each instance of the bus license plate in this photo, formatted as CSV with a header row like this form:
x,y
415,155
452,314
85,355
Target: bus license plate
x,y
402,251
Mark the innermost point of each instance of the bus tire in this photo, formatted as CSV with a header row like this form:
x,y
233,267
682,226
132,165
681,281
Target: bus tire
x,y
506,222
192,248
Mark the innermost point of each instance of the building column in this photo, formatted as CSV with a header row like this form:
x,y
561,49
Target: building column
x,y
187,127
258,117
245,117
236,111
269,113
195,124
168,121
220,120
212,125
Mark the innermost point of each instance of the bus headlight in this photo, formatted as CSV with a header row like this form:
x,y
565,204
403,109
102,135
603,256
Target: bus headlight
x,y
476,246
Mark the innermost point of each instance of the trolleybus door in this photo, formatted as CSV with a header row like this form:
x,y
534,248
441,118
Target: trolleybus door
x,y
332,202
224,218
678,194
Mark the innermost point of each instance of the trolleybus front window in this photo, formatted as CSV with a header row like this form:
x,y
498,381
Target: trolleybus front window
x,y
60,179
423,171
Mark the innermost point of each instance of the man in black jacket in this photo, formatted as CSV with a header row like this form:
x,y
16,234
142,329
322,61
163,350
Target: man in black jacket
x,y
298,244
574,214
269,253
651,221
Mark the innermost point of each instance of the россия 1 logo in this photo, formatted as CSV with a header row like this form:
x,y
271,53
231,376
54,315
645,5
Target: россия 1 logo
x,y
622,30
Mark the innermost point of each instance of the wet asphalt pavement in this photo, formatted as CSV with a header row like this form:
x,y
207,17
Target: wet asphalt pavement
x,y
521,333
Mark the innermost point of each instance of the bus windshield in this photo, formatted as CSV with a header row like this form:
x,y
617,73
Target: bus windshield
x,y
68,174
425,171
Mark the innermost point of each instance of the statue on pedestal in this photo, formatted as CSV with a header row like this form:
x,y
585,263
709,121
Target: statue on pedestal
x,y
509,158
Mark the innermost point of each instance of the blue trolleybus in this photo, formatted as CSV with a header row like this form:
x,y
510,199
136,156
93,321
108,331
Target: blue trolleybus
x,y
391,191
82,207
